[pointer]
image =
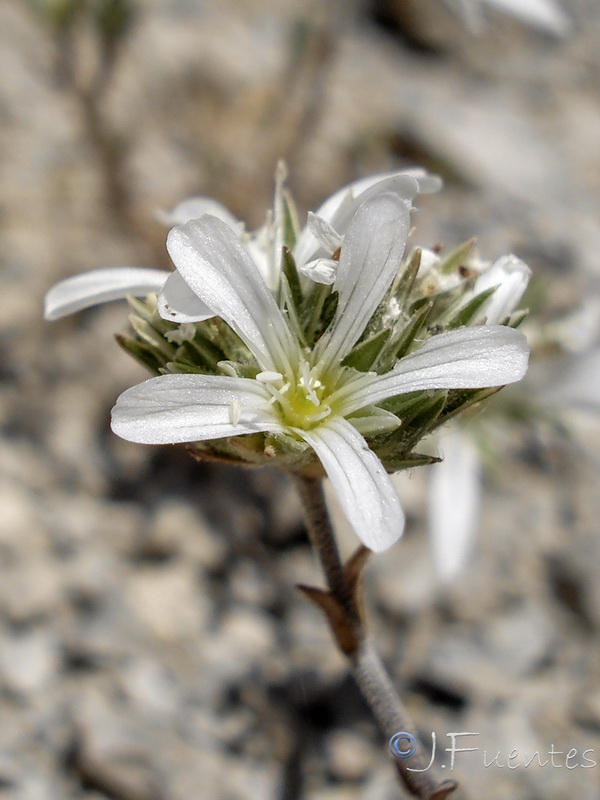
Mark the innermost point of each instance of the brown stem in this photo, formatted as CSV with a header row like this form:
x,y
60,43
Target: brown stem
x,y
341,607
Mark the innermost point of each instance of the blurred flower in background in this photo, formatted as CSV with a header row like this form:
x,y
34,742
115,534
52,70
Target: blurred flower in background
x,y
547,15
562,391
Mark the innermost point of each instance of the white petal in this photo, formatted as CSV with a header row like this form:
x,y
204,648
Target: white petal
x,y
178,303
191,408
258,244
374,421
196,207
275,232
370,258
427,183
362,485
321,270
510,275
220,272
340,209
402,184
101,286
324,233
468,358
454,499
545,14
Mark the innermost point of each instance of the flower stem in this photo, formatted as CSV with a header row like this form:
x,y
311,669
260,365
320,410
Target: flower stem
x,y
341,606
320,532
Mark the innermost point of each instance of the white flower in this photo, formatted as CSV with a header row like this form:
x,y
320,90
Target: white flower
x,y
547,15
325,229
454,500
194,208
455,485
510,277
302,393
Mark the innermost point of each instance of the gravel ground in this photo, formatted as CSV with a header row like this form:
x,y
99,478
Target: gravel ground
x,y
152,643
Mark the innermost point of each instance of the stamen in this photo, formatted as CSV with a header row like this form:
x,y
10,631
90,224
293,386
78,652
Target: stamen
x,y
235,411
305,371
227,369
184,333
321,270
324,232
269,377
308,384
321,415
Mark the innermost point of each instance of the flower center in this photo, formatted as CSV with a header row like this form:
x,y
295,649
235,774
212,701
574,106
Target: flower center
x,y
301,403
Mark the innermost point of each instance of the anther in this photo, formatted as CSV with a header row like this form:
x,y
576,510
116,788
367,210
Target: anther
x,y
235,411
269,377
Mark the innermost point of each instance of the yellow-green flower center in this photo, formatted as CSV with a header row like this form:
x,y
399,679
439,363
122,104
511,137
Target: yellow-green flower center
x,y
299,409
301,402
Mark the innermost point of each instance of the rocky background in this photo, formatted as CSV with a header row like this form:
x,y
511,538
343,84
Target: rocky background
x,y
152,643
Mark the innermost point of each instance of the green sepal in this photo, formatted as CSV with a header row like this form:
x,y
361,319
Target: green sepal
x,y
218,333
246,450
366,353
417,421
467,314
517,317
290,272
422,415
400,461
401,343
417,305
181,367
406,406
313,311
374,421
143,308
290,310
456,258
147,356
460,400
147,311
249,447
147,333
239,370
402,289
284,444
202,351
329,309
291,228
